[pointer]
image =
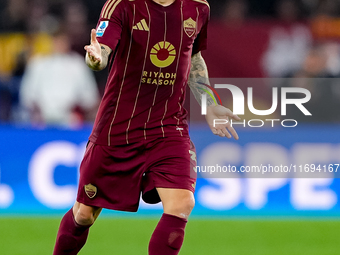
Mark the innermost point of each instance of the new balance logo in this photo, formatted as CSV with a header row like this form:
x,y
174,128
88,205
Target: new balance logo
x,y
141,26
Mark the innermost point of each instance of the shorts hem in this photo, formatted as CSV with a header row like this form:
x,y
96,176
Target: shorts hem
x,y
110,207
174,186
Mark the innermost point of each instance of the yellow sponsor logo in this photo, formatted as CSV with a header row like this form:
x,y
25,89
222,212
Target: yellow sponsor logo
x,y
163,54
159,78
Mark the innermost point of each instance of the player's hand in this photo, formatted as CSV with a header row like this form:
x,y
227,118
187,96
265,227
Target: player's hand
x,y
94,50
219,112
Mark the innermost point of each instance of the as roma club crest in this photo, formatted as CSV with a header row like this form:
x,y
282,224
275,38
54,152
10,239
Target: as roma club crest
x,y
190,27
90,190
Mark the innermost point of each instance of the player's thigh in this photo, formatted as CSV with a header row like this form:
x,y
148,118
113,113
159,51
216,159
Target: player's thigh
x,y
178,202
84,214
111,176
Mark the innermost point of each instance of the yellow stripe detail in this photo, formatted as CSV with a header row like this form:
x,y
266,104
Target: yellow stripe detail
x,y
145,25
104,9
202,2
147,8
107,8
140,82
124,76
139,25
113,8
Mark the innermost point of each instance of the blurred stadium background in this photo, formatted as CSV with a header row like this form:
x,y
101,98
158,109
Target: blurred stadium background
x,y
48,102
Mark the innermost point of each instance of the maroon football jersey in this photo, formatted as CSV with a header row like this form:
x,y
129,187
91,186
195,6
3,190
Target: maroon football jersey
x,y
150,64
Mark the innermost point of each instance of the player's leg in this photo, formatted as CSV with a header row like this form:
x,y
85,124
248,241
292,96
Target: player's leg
x,y
84,214
74,229
177,202
168,236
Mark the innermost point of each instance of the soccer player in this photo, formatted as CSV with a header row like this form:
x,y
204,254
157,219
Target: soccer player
x,y
140,141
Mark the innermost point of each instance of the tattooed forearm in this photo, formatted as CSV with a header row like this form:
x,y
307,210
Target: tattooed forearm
x,y
105,54
198,77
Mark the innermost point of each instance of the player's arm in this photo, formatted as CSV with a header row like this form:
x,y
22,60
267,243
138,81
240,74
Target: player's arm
x,y
197,78
97,55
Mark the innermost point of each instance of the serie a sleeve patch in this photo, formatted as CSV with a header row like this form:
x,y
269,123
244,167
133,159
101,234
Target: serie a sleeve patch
x,y
101,28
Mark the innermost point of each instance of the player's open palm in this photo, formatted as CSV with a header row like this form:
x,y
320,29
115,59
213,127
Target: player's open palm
x,y
94,50
219,112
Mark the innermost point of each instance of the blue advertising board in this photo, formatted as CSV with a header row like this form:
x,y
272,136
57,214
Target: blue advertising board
x,y
39,171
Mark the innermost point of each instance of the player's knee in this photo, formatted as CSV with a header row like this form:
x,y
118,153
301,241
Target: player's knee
x,y
84,218
190,203
185,206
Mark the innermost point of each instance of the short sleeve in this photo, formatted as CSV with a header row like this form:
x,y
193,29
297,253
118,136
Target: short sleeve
x,y
200,42
110,24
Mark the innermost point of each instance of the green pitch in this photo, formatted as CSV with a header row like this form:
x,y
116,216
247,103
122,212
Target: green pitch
x,y
20,236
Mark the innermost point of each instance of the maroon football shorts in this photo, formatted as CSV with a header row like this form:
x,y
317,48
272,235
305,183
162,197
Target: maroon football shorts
x,y
114,177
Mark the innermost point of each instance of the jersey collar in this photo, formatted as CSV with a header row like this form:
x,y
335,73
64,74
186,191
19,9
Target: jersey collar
x,y
164,8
